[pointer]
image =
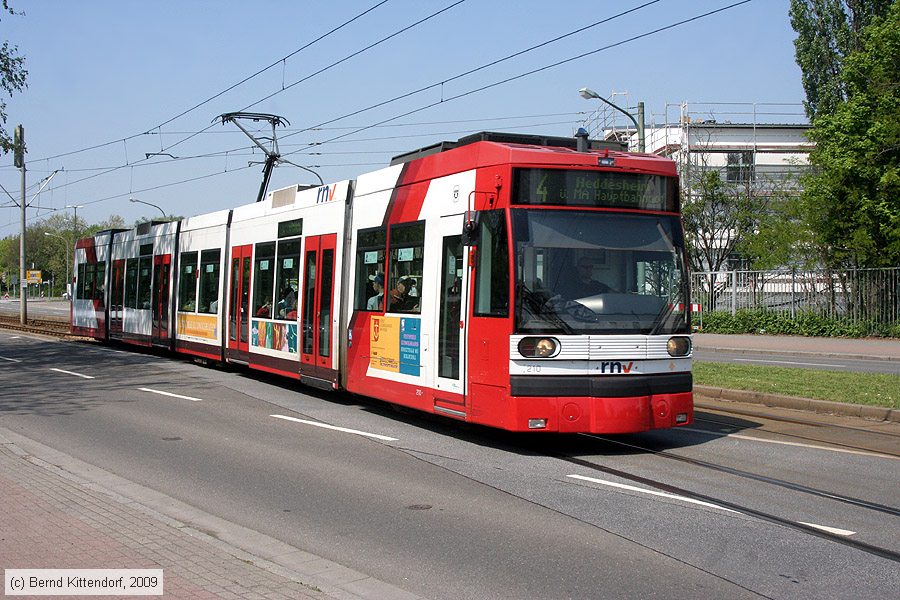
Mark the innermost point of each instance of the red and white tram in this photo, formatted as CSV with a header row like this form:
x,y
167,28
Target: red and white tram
x,y
506,280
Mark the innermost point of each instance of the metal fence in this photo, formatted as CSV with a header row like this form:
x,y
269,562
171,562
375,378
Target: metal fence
x,y
859,296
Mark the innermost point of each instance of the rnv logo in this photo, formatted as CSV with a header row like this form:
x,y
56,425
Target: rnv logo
x,y
616,367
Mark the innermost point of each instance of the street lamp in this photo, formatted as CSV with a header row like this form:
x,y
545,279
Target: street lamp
x,y
65,243
74,218
149,204
589,94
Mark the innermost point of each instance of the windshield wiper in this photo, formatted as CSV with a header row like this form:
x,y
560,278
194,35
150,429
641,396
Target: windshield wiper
x,y
662,317
541,306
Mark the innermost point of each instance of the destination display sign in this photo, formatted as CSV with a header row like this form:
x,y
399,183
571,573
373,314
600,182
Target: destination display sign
x,y
569,187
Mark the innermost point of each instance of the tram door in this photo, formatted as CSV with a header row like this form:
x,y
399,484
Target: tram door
x,y
318,307
116,298
162,264
239,303
451,326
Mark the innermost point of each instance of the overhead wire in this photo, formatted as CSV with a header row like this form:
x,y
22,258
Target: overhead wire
x,y
479,68
467,93
226,90
528,73
191,136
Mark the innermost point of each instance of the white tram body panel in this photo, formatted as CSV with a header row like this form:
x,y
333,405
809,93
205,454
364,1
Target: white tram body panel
x,y
91,277
281,319
200,284
142,261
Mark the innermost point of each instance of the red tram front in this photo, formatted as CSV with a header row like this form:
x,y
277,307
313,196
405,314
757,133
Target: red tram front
x,y
550,287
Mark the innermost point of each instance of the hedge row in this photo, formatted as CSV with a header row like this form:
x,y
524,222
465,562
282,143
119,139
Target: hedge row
x,y
804,323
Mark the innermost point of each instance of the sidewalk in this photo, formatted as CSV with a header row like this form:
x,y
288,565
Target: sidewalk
x,y
788,344
72,517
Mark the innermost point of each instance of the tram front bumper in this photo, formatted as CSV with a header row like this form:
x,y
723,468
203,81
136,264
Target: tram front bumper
x,y
603,404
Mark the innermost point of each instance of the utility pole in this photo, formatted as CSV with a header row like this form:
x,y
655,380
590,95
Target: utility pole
x,y
19,161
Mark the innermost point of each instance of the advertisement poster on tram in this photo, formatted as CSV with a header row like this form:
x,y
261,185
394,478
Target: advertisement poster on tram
x,y
394,344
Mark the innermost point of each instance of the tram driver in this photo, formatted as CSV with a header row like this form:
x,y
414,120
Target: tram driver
x,y
583,284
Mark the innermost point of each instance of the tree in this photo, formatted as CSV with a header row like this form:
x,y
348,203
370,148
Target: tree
x,y
12,79
716,217
852,200
781,236
828,31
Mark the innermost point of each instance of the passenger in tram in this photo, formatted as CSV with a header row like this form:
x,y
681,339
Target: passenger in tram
x,y
288,303
374,302
413,290
400,299
265,309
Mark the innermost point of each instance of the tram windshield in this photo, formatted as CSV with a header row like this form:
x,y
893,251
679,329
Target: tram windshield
x,y
580,272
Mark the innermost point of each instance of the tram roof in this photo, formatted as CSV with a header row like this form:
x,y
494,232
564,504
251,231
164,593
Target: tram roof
x,y
491,148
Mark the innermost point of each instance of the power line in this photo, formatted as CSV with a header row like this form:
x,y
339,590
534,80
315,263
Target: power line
x,y
322,70
141,191
525,74
191,136
225,91
476,69
473,91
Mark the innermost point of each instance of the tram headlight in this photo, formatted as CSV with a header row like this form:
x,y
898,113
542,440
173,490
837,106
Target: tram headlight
x,y
539,347
679,346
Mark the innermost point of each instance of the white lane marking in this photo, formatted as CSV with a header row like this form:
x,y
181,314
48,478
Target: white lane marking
x,y
170,394
833,530
73,373
343,429
651,492
783,443
788,362
10,359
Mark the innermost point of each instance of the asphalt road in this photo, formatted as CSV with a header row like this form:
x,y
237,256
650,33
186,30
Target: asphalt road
x,y
449,511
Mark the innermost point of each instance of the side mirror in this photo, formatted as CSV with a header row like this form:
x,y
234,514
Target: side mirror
x,y
470,228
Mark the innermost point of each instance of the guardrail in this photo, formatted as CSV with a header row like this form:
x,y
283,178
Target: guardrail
x,y
859,295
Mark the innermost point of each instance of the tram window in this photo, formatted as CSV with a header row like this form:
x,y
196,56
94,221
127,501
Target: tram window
x,y
209,281
82,276
131,282
370,282
263,280
406,267
187,282
492,270
145,274
99,281
287,280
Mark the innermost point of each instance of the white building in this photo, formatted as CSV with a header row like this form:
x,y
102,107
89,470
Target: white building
x,y
763,145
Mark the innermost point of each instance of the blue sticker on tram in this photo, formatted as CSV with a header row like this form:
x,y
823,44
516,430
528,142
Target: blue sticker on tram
x,y
409,346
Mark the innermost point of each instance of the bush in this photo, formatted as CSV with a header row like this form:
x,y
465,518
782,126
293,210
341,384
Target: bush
x,y
805,323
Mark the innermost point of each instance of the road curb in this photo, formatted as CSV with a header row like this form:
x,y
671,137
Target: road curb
x,y
876,413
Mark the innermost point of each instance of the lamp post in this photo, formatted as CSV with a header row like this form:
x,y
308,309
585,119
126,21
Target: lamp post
x,y
149,204
75,208
589,94
65,243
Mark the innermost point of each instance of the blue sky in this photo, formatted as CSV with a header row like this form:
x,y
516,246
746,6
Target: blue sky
x,y
114,71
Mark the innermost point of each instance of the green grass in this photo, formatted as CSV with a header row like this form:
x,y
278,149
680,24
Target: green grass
x,y
874,389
